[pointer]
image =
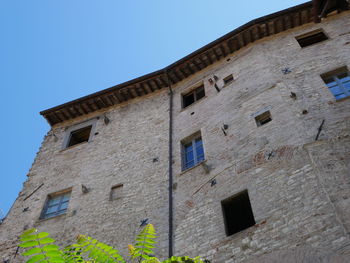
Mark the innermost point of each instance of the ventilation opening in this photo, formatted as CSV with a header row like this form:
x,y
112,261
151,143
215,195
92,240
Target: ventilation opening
x,y
311,38
193,96
228,79
238,214
263,118
79,136
116,192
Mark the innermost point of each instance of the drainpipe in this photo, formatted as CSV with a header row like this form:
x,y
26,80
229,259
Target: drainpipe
x,y
170,161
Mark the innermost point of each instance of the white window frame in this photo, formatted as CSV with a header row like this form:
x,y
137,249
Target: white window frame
x,y
196,160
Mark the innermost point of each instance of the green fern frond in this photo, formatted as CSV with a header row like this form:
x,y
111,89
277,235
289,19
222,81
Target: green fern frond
x,y
93,250
40,248
144,243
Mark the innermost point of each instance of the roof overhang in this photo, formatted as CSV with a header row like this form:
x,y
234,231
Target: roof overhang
x,y
233,41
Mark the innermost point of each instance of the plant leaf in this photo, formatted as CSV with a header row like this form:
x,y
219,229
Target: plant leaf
x,y
29,244
28,232
42,234
46,240
31,251
36,258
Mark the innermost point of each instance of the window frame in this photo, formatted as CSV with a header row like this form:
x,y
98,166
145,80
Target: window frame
x,y
228,79
334,75
309,34
260,118
197,158
233,201
194,92
76,127
44,213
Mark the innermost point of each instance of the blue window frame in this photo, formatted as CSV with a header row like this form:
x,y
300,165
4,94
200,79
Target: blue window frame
x,y
55,205
192,153
338,83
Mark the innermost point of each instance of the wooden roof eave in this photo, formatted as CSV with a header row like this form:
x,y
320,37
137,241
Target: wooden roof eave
x,y
183,68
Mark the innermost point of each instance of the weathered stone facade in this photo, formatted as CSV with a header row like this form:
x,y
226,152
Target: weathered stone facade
x,y
299,188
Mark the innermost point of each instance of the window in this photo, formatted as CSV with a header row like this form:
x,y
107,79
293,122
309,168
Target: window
x,y
79,133
56,204
192,151
338,82
263,118
116,192
228,79
311,38
79,136
193,96
238,214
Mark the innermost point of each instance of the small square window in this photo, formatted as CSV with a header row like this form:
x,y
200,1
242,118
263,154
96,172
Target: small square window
x,y
311,38
192,151
228,79
116,192
263,118
79,133
338,82
79,136
238,214
193,96
56,204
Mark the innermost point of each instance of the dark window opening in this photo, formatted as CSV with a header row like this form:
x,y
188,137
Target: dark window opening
x,y
228,79
238,214
311,38
193,96
263,118
79,136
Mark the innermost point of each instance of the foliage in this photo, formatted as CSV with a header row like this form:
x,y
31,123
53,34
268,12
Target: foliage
x,y
40,247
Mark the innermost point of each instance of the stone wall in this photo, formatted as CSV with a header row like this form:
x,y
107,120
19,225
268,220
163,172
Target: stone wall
x,y
121,153
299,188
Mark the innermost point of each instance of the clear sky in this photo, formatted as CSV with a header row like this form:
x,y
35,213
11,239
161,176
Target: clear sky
x,y
54,51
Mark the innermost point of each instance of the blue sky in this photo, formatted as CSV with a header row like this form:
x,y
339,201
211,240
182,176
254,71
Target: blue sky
x,y
54,51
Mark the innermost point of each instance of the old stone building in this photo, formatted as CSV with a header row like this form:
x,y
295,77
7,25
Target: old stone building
x,y
238,152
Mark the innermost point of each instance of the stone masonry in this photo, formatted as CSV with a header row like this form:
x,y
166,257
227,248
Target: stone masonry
x,y
299,187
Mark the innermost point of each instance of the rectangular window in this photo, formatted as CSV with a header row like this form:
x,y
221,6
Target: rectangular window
x,y
56,204
338,82
116,192
193,96
79,133
228,79
311,38
192,151
79,136
263,118
238,213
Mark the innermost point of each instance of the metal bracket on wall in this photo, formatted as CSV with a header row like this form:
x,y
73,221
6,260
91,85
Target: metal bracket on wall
x,y
33,192
319,130
286,71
